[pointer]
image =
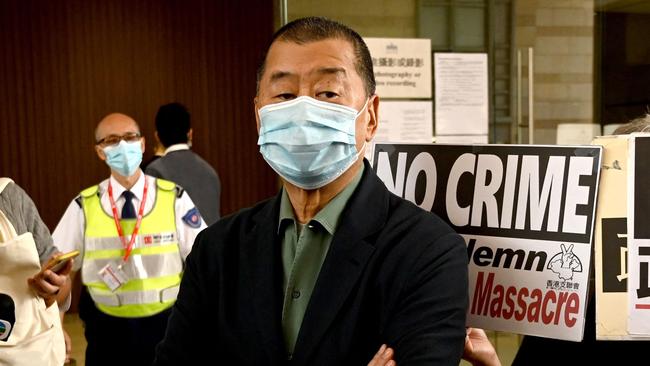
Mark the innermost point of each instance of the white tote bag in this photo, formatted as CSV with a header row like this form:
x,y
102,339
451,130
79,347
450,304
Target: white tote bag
x,y
32,335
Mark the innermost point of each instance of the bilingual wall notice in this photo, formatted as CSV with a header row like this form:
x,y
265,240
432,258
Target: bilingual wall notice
x,y
402,67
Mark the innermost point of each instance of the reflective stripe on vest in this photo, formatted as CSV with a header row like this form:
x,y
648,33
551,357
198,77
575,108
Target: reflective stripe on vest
x,y
154,267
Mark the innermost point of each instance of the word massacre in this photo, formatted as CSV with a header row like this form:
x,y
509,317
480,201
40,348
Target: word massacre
x,y
532,305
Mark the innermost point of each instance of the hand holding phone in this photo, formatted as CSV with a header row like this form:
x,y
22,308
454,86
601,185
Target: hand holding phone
x,y
59,261
46,284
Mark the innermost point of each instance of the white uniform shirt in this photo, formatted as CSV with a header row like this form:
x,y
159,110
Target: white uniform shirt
x,y
176,147
69,232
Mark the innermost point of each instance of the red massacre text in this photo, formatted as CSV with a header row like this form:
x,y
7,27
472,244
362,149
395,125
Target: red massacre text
x,y
532,305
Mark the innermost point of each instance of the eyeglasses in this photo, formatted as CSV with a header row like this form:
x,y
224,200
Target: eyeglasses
x,y
111,140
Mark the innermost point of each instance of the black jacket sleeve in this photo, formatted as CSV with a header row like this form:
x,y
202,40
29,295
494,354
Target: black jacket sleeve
x,y
185,342
428,325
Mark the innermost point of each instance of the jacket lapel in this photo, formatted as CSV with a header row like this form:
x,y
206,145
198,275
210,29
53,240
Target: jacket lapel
x,y
347,258
261,255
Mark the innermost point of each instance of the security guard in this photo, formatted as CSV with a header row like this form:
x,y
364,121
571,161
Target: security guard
x,y
134,232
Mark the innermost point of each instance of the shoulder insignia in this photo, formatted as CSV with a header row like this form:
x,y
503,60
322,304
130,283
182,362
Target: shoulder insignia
x,y
192,218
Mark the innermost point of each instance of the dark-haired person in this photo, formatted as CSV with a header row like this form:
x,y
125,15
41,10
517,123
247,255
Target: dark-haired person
x,y
334,266
181,165
158,151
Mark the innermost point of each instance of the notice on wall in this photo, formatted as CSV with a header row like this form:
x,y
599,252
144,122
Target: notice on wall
x,y
638,237
402,66
526,213
461,93
405,122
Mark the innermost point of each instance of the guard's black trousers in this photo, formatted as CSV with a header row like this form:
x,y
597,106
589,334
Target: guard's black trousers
x,y
119,341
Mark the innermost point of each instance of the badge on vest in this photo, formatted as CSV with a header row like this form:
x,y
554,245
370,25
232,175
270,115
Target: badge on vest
x,y
113,276
159,238
192,218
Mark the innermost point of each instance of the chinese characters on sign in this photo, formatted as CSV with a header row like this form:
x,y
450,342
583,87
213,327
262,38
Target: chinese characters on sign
x,y
402,67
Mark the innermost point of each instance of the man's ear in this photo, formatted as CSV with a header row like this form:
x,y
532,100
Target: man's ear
x,y
257,115
373,121
142,143
100,153
189,135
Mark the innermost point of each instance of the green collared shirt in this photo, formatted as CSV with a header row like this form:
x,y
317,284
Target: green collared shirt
x,y
304,247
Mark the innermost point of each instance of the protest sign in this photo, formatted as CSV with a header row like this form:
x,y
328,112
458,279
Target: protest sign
x,y
527,215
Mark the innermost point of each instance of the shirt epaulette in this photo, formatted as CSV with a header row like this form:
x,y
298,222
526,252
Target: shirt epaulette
x,y
179,191
78,199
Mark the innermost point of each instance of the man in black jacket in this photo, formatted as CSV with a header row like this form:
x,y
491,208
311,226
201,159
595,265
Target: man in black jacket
x,y
334,266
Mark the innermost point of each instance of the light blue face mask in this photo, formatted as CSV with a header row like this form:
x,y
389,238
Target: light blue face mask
x,y
124,157
308,142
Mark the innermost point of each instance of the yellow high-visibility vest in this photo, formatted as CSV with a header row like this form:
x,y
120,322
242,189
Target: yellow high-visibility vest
x,y
155,266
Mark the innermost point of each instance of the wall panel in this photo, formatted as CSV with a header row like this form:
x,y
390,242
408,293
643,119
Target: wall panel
x,y
65,64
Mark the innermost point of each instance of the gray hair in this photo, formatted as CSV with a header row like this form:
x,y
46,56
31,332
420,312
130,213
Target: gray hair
x,y
639,124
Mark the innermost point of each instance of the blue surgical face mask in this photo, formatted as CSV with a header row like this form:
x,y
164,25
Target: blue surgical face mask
x,y
124,157
308,142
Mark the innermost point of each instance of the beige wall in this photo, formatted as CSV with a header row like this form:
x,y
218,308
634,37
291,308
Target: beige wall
x,y
371,18
561,33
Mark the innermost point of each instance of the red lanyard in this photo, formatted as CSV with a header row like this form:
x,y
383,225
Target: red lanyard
x,y
127,247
